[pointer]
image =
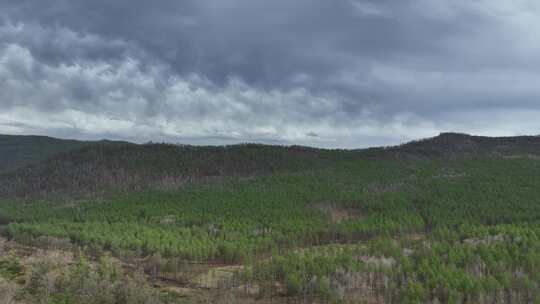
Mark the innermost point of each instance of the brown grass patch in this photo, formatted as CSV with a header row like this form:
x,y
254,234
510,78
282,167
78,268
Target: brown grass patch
x,y
337,214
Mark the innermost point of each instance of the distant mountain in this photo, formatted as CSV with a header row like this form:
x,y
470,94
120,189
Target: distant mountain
x,y
459,145
19,151
58,166
107,165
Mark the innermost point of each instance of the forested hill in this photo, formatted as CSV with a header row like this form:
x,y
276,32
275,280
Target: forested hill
x,y
89,167
450,219
18,151
102,166
460,145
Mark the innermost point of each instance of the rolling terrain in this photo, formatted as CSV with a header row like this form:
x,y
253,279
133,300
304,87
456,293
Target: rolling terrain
x,y
113,165
19,151
450,219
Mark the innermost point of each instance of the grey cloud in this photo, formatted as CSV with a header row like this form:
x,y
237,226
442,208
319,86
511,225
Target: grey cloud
x,y
351,72
263,42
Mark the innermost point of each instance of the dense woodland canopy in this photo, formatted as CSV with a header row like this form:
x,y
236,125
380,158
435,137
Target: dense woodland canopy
x,y
453,219
19,151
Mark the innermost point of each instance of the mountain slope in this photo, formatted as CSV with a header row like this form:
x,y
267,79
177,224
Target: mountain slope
x,y
128,166
460,145
18,151
124,166
458,210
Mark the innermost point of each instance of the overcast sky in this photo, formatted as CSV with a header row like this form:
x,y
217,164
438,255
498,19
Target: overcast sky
x,y
339,73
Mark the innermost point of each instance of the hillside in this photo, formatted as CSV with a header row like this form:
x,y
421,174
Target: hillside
x,y
451,219
107,165
17,151
460,145
124,166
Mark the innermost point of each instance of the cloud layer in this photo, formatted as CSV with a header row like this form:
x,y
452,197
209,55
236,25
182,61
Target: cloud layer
x,y
344,73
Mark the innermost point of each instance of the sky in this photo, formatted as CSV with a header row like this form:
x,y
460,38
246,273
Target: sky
x,y
333,74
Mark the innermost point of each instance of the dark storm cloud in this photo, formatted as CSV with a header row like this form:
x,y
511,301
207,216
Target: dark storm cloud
x,y
263,42
328,73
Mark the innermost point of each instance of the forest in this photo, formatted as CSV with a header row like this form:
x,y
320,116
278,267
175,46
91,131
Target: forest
x,y
454,219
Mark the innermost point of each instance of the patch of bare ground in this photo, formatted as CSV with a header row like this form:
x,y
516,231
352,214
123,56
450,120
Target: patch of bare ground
x,y
29,252
488,240
55,256
177,291
217,277
360,297
415,236
8,291
337,214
